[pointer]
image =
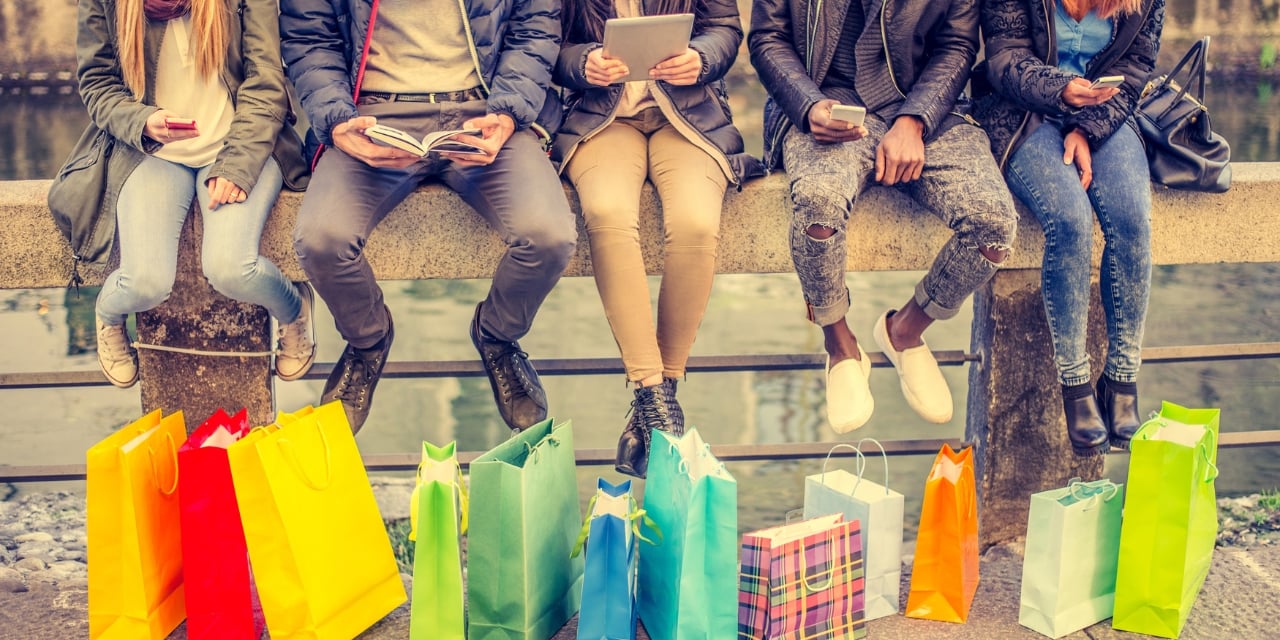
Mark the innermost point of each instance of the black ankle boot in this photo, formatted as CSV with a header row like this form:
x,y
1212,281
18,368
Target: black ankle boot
x,y
648,412
1085,428
1119,404
673,406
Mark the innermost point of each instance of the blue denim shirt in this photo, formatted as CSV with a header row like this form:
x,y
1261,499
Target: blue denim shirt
x,y
1079,42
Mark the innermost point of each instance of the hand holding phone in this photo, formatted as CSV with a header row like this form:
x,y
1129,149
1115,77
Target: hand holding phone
x,y
855,116
1107,82
180,123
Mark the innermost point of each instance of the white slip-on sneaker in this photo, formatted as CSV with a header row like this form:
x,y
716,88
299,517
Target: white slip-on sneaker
x,y
296,341
849,401
918,373
116,355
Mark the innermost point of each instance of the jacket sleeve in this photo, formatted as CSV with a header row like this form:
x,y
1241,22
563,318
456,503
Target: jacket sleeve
x,y
954,48
571,65
529,52
717,38
1098,122
312,44
778,63
261,101
1013,68
110,104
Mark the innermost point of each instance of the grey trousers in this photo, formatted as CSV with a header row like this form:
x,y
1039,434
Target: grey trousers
x,y
960,184
519,194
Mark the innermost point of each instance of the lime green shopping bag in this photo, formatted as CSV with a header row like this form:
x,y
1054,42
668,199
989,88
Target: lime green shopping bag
x,y
438,517
1170,521
522,583
1069,574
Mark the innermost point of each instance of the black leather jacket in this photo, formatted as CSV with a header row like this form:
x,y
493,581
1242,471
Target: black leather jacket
x,y
717,32
928,48
1019,84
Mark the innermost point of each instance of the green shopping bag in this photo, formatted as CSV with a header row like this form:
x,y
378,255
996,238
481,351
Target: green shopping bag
x,y
1170,521
1073,539
438,517
522,583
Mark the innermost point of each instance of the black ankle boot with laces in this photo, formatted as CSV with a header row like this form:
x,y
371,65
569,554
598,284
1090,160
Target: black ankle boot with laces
x,y
648,412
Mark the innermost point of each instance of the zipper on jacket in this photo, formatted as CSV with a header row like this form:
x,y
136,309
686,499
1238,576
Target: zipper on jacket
x,y
706,145
1052,56
471,46
613,115
884,40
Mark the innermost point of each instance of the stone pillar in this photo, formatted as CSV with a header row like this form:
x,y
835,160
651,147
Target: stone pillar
x,y
1015,417
197,317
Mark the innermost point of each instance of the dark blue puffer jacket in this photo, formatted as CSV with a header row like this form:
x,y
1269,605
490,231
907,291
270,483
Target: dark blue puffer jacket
x,y
515,44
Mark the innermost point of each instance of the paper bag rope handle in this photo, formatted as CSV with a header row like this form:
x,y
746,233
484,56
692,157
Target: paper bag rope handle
x,y
286,447
1148,429
1091,491
862,462
831,575
155,471
461,494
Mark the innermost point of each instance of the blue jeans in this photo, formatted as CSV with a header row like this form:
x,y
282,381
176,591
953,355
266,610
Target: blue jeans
x,y
1120,197
153,204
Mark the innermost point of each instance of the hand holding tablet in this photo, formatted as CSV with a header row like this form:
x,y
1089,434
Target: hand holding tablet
x,y
641,43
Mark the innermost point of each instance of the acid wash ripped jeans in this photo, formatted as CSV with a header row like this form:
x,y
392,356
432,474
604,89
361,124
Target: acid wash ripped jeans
x,y
960,183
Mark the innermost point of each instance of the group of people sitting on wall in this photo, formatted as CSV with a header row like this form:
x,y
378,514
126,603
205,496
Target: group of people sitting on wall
x,y
532,77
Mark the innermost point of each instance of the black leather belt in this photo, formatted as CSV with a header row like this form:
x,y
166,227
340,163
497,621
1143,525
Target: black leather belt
x,y
464,95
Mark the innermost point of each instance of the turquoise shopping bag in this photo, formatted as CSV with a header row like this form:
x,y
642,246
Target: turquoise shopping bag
x,y
1073,541
879,509
522,583
689,580
1170,521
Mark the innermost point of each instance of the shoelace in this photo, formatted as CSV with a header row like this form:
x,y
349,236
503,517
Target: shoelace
x,y
353,385
650,410
510,363
294,339
116,342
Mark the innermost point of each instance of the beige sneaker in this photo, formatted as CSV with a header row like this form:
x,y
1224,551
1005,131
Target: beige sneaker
x,y
296,350
922,383
849,400
116,355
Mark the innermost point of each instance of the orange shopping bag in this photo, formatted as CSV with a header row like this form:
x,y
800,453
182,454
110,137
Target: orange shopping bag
x,y
135,545
945,573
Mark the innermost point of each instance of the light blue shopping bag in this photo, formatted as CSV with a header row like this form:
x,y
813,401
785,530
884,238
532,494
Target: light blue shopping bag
x,y
879,509
689,580
1073,543
611,536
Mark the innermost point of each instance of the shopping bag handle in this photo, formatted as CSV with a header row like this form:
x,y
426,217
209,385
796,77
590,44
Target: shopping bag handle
x,y
831,575
462,495
1211,472
155,471
291,455
862,462
1091,491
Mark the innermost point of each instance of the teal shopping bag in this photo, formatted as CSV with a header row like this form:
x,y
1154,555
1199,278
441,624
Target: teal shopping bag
x,y
689,580
522,583
879,510
610,537
438,517
1073,541
1170,521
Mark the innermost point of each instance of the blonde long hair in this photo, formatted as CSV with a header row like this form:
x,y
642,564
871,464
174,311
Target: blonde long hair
x,y
209,39
1105,8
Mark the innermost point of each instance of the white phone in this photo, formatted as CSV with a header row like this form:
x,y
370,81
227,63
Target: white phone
x,y
849,113
1107,82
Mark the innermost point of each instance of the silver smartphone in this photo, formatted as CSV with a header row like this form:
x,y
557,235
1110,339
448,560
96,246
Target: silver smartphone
x,y
1107,82
849,113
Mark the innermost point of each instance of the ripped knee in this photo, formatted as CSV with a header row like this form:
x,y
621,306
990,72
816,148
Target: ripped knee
x,y
994,253
819,231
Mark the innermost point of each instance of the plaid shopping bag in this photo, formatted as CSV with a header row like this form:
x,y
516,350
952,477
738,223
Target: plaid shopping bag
x,y
803,581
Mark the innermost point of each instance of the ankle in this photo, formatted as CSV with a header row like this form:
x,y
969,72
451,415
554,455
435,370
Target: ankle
x,y
1076,391
650,381
904,333
1129,388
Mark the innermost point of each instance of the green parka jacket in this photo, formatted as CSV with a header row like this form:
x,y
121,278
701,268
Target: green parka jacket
x,y
84,194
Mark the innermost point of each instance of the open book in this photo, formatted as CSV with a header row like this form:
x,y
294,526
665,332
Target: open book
x,y
435,141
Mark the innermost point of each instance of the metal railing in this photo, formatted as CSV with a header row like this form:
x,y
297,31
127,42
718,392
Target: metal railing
x,y
702,364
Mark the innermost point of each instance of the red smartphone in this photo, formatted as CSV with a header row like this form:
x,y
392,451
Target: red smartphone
x,y
180,123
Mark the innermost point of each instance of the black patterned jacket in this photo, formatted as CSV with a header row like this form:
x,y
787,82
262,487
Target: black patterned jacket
x,y
1019,84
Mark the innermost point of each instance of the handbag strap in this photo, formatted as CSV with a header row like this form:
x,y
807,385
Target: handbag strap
x,y
1196,57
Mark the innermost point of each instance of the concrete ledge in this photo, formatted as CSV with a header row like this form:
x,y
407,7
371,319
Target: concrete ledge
x,y
433,234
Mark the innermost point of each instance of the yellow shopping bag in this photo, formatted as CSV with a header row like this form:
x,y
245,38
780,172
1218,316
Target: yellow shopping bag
x,y
320,554
135,548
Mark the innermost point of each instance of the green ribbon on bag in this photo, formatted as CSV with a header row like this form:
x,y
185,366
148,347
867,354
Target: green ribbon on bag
x,y
635,517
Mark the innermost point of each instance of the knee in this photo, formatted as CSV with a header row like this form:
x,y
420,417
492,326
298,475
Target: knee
x,y
820,212
320,244
1071,229
693,231
553,243
990,229
150,289
229,277
610,213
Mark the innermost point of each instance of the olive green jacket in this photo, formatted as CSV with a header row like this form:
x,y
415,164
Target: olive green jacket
x,y
115,141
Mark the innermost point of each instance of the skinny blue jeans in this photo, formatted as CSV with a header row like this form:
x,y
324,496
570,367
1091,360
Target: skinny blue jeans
x,y
1120,198
153,204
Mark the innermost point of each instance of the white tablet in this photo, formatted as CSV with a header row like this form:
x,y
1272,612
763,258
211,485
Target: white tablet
x,y
646,41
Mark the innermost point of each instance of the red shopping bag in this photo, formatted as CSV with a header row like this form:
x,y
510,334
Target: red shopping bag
x,y
221,604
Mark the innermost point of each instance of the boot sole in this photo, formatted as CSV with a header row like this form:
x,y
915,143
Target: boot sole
x,y
1090,452
1120,443
628,471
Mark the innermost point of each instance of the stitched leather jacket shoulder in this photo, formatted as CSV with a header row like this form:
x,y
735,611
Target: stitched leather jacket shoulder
x,y
928,47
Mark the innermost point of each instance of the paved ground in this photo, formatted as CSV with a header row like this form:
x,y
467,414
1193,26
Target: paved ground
x,y
1240,601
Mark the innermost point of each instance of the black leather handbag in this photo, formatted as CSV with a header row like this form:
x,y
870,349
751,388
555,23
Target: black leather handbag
x,y
1182,149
